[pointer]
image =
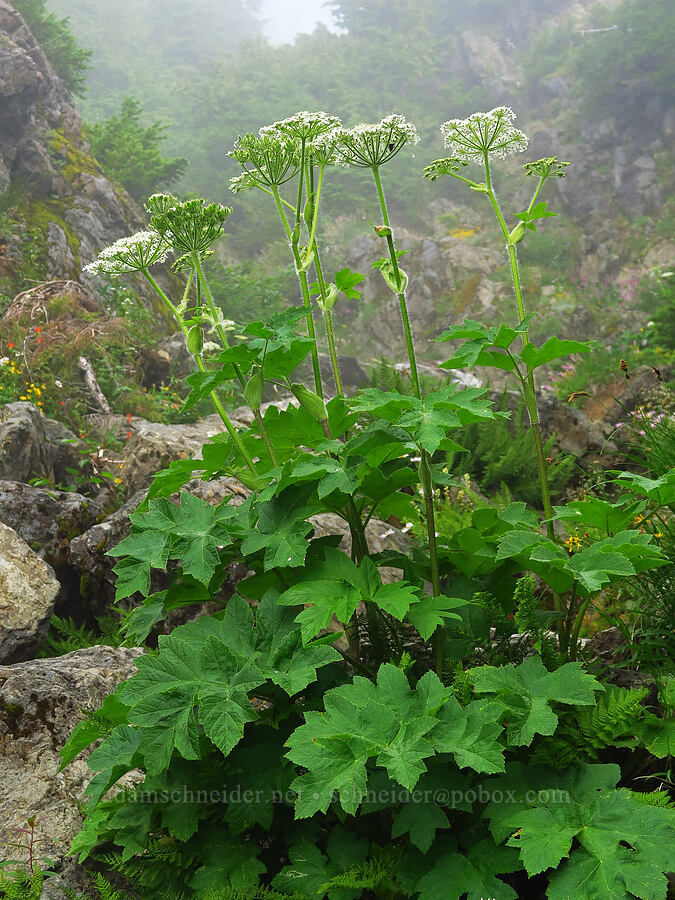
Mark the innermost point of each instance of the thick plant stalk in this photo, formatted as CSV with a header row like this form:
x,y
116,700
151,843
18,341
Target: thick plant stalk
x,y
220,409
328,318
224,341
304,287
527,383
425,466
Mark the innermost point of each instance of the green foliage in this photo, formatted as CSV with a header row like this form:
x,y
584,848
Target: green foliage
x,y
21,885
632,52
501,453
304,738
622,845
56,38
130,152
65,635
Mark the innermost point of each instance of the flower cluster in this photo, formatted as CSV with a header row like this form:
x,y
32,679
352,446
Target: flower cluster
x,y
191,226
268,161
489,134
448,165
303,126
130,254
547,167
372,145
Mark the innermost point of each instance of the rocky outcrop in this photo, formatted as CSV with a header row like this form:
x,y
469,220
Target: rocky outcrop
x,y
63,190
34,446
448,280
41,701
28,589
46,520
152,446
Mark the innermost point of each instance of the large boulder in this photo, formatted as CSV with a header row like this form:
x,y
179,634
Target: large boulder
x,y
87,552
41,701
33,446
28,589
47,520
152,446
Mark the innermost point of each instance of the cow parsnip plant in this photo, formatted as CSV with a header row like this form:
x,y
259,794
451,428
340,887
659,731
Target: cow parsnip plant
x,y
283,757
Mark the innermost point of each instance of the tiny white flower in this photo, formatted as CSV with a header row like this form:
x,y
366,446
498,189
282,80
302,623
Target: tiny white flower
x,y
484,133
4,360
58,383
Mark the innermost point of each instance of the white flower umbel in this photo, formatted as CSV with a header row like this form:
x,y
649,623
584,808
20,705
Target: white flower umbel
x,y
372,145
490,133
303,126
130,254
268,161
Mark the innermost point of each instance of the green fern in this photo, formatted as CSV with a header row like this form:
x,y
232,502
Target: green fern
x,y
104,890
21,885
462,686
585,731
371,875
612,720
253,893
655,798
525,604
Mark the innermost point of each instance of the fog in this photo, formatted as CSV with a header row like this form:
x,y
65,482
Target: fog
x,y
283,19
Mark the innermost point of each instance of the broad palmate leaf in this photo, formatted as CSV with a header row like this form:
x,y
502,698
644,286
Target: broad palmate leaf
x,y
624,845
201,678
528,691
398,725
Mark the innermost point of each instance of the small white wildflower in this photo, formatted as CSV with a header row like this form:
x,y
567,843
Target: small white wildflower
x,y
4,360
130,254
371,145
667,274
484,133
387,533
304,126
58,383
406,528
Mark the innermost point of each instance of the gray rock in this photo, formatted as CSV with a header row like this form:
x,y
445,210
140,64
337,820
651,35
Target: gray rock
x,y
153,446
33,446
28,589
46,520
41,701
87,552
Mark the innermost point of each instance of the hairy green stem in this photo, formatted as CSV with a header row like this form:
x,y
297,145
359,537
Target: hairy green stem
x,y
529,392
328,318
237,369
574,642
220,409
304,287
425,462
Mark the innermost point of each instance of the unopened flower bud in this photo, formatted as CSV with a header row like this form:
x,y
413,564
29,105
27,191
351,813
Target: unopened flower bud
x,y
382,231
517,234
253,392
195,340
310,402
308,212
331,298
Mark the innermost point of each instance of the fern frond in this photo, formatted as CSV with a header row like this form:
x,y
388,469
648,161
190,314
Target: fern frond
x,y
613,717
253,893
366,877
655,798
